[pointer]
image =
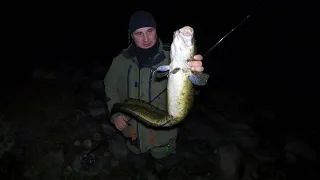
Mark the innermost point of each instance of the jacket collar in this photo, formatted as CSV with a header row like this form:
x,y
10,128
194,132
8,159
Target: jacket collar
x,y
128,53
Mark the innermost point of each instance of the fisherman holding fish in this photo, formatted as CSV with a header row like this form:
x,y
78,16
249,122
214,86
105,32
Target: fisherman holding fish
x,y
131,75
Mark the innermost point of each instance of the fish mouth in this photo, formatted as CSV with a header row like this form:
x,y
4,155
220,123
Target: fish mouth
x,y
186,31
184,36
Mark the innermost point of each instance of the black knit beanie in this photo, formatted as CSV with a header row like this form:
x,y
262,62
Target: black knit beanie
x,y
141,19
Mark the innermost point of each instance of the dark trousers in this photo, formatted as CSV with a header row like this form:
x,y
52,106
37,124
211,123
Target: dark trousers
x,y
139,161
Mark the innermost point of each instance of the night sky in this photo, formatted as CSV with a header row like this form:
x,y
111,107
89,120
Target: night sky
x,y
271,58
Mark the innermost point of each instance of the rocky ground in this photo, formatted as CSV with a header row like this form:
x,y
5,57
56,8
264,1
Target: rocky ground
x,y
56,128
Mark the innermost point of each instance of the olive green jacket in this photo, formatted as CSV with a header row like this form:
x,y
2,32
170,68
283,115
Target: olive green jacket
x,y
125,79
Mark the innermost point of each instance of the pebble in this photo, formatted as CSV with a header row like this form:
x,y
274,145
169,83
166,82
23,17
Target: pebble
x,y
97,136
87,143
77,143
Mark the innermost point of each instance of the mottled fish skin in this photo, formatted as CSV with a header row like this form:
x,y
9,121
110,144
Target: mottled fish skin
x,y
180,86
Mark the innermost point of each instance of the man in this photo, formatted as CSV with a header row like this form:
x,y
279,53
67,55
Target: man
x,y
129,76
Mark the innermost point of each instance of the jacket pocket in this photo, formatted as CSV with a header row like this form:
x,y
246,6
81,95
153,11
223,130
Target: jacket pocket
x,y
164,150
126,132
162,137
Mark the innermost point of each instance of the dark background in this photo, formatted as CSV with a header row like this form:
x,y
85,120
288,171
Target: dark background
x,y
271,58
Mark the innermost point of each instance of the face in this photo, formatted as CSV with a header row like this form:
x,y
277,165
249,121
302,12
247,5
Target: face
x,y
145,37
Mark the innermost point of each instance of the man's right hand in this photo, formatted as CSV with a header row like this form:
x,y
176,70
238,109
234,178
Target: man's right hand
x,y
121,122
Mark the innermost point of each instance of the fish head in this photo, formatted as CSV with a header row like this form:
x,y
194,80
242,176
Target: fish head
x,y
184,36
183,45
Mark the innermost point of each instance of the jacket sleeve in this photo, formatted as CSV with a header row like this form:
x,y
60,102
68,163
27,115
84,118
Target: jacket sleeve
x,y
111,87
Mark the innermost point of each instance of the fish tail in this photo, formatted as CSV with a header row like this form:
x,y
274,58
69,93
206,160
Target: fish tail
x,y
144,112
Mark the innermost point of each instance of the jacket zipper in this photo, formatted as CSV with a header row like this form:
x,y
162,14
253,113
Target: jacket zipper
x,y
128,83
137,127
150,85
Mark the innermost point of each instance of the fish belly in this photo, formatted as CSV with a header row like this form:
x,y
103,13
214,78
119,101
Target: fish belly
x,y
180,95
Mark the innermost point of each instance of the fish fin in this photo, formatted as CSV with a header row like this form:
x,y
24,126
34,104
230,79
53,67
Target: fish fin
x,y
159,75
199,79
175,70
163,68
161,72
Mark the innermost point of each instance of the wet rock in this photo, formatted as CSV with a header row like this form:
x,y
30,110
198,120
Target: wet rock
x,y
97,137
251,168
118,147
291,158
108,129
7,140
266,155
114,163
76,117
87,143
77,143
244,135
96,109
107,154
27,174
67,171
4,127
230,161
295,146
271,172
89,165
50,166
152,176
97,86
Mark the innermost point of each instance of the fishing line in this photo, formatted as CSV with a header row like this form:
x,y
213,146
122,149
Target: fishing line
x,y
233,29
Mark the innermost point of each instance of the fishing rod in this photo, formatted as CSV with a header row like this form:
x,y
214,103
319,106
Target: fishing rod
x,y
214,46
259,3
233,29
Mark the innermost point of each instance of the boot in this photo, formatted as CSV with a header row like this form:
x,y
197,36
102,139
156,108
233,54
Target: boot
x,y
166,163
137,161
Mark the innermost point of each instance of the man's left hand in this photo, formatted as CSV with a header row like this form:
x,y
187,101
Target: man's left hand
x,y
196,64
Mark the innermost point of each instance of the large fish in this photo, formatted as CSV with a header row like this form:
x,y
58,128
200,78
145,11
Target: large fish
x,y
180,85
